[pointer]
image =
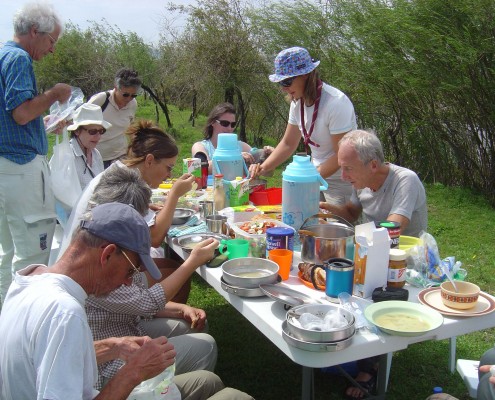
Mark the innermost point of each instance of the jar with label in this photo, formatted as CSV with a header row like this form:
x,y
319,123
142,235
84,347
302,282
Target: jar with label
x,y
218,193
393,229
397,268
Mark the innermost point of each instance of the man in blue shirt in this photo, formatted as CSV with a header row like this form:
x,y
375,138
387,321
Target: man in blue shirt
x,y
27,212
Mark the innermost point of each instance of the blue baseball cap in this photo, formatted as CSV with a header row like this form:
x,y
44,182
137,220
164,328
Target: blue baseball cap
x,y
122,225
291,62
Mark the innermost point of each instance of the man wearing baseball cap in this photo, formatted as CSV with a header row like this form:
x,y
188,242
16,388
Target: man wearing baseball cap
x,y
47,349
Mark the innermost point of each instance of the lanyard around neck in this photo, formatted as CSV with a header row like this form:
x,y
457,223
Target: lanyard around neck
x,y
306,134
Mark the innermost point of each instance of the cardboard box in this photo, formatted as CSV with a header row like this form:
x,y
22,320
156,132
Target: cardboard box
x,y
371,256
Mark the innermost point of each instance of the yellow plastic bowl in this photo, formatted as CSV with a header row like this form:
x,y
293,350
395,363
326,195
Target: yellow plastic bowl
x,y
407,242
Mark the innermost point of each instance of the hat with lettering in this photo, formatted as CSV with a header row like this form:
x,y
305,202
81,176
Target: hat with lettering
x,y
291,62
88,114
122,225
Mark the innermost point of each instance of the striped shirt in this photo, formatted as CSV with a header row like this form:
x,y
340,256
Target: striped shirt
x,y
18,143
119,314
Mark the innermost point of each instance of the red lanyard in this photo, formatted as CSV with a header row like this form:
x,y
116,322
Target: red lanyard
x,y
306,135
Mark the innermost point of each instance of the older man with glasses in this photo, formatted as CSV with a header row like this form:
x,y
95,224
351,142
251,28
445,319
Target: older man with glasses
x,y
27,205
119,107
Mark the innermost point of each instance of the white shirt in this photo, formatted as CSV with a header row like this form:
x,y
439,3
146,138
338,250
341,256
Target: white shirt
x,y
46,346
85,172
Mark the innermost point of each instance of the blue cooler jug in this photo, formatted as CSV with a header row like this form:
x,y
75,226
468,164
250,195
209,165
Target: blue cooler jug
x,y
227,158
301,186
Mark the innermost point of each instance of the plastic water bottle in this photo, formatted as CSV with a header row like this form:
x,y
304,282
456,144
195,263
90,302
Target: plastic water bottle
x,y
301,186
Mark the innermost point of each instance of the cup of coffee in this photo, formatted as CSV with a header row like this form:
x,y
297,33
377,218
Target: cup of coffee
x,y
217,223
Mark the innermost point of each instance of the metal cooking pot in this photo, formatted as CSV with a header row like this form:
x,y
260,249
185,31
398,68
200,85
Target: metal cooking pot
x,y
327,240
320,310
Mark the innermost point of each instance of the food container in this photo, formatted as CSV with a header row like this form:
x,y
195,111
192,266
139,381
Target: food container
x,y
327,240
271,196
320,310
466,298
182,215
257,238
249,272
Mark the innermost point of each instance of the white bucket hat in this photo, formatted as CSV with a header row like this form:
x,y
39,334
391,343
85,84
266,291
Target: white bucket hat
x,y
88,114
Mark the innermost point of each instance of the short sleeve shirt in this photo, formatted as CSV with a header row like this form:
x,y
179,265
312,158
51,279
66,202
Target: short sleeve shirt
x,y
18,143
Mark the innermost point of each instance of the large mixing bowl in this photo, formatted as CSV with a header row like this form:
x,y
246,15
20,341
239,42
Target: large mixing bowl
x,y
249,272
320,310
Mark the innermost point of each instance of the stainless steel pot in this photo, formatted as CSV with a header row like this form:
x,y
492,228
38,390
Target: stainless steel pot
x,y
320,310
327,240
249,272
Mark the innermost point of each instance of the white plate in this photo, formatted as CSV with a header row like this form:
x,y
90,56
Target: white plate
x,y
432,297
431,318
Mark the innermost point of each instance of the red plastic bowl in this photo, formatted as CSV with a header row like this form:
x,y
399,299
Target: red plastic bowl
x,y
271,196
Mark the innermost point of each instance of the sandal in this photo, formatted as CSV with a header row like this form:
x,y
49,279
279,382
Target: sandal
x,y
369,387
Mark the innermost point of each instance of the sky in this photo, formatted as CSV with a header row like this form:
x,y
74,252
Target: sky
x,y
140,16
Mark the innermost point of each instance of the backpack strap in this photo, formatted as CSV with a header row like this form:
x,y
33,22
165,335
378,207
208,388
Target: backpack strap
x,y
107,100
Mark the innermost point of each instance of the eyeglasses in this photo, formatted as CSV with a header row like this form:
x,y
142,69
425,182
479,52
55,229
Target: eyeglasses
x,y
287,82
53,42
130,95
93,132
225,123
134,269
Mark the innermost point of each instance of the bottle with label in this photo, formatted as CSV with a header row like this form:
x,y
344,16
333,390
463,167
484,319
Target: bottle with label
x,y
218,193
397,268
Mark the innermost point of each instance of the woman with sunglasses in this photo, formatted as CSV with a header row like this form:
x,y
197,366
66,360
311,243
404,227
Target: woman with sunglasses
x,y
153,153
119,107
222,120
87,128
319,114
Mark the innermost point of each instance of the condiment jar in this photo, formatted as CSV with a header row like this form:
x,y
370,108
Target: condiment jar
x,y
397,268
393,229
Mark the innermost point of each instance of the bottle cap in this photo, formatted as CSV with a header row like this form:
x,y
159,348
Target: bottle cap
x,y
397,255
218,175
437,389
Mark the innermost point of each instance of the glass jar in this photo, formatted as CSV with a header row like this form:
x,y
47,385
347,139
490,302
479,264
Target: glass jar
x,y
218,193
397,268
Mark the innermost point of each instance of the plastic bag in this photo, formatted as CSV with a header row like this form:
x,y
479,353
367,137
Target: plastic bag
x,y
425,268
161,387
65,181
60,112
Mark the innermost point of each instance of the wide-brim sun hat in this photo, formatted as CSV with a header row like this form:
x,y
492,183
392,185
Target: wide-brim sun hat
x,y
293,61
88,114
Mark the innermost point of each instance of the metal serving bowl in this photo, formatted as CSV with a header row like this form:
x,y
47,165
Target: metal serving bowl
x,y
320,310
182,215
249,272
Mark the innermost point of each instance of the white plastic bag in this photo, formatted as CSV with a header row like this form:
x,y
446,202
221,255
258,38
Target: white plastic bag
x,y
65,182
161,387
62,111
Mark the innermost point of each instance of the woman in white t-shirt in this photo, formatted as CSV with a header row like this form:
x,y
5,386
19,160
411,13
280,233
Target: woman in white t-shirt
x,y
319,113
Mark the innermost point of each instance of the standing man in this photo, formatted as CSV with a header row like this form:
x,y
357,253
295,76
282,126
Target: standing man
x,y
27,210
119,107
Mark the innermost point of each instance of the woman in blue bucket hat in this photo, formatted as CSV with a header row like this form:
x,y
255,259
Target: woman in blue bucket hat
x,y
319,113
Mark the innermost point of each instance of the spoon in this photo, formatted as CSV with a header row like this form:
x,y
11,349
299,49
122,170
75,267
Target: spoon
x,y
446,271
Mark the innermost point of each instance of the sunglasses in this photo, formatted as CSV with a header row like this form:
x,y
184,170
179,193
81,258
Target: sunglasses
x,y
130,95
134,269
287,82
225,123
93,132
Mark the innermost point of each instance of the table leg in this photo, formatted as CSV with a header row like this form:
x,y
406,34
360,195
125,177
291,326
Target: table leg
x,y
384,365
308,384
452,347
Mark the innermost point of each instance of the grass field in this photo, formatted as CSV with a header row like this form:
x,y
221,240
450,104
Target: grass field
x,y
463,225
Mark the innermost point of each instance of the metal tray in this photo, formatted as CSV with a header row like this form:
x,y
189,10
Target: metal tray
x,y
244,292
314,346
287,296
